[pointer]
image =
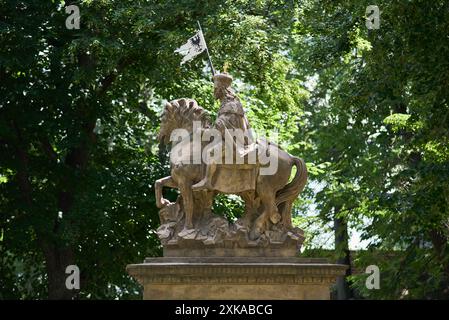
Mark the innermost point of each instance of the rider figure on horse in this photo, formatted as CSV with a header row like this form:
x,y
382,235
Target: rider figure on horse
x,y
231,119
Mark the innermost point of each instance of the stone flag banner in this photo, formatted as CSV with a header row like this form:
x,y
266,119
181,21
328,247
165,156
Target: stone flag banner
x,y
193,47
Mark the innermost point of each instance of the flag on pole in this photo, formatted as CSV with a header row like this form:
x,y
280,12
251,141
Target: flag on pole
x,y
194,46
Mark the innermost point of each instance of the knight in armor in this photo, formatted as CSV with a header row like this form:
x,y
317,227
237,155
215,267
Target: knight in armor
x,y
231,117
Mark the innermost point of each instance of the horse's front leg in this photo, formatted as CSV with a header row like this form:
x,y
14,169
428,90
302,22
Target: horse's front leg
x,y
158,186
187,198
251,205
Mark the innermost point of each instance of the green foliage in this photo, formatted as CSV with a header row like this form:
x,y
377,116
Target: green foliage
x,y
378,115
79,114
229,206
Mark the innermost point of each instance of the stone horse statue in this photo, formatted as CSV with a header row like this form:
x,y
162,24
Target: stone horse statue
x,y
267,206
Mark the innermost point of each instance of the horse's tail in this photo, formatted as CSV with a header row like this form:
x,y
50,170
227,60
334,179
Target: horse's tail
x,y
288,194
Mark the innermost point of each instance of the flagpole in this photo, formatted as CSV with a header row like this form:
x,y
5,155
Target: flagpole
x,y
207,50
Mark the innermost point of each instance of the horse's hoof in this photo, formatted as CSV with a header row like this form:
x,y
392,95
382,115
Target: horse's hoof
x,y
256,232
254,235
164,203
275,218
186,232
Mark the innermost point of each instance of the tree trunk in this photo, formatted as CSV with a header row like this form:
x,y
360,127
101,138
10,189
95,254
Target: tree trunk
x,y
344,292
56,260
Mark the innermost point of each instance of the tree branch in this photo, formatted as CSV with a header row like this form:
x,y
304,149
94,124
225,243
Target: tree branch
x,y
110,78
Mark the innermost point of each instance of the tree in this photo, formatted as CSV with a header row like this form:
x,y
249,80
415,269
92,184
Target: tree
x,y
381,95
79,116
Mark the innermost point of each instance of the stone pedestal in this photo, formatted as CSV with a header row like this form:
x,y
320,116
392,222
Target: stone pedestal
x,y
246,278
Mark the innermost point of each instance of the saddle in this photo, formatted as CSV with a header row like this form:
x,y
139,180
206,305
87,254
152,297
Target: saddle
x,y
235,178
238,177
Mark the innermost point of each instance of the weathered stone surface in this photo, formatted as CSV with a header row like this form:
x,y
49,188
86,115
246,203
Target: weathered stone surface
x,y
236,278
205,256
215,236
268,197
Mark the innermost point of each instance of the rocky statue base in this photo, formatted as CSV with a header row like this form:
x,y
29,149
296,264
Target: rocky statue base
x,y
214,236
244,278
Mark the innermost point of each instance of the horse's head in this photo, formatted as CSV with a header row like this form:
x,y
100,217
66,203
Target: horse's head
x,y
180,114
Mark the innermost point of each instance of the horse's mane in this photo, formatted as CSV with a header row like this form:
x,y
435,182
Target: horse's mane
x,y
186,110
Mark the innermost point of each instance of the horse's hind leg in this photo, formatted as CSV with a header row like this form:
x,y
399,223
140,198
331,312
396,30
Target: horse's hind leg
x,y
285,210
269,214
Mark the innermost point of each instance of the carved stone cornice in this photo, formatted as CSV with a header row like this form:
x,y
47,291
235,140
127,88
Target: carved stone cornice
x,y
235,272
